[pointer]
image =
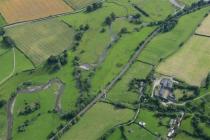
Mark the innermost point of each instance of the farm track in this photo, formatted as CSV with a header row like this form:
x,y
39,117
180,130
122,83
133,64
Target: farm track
x,y
13,70
31,90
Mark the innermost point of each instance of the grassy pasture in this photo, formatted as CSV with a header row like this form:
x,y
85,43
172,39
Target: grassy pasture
x,y
132,132
3,123
7,61
166,43
157,9
2,20
188,2
39,40
117,57
190,63
204,27
152,122
41,76
22,10
39,126
97,121
78,4
93,42
6,64
120,92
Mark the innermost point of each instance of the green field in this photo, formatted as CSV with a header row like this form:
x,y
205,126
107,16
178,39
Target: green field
x,y
188,2
78,4
167,43
41,76
39,124
157,10
152,122
191,63
7,57
120,92
39,40
97,121
6,64
2,20
3,122
132,132
94,43
118,56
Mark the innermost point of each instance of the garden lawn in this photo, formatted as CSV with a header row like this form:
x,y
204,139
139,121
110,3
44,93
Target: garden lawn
x,y
97,121
191,63
39,126
167,43
117,57
120,93
39,40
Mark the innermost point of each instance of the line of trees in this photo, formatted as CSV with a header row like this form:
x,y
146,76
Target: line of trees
x,y
54,63
93,7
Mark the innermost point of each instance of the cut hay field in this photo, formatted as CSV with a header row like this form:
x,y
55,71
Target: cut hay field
x,y
191,63
204,28
166,43
100,118
78,4
120,93
39,40
22,10
117,57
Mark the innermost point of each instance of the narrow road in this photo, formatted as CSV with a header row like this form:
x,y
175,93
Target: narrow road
x,y
13,69
30,90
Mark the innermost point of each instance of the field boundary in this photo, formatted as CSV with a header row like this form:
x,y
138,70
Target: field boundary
x,y
202,35
13,70
47,17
